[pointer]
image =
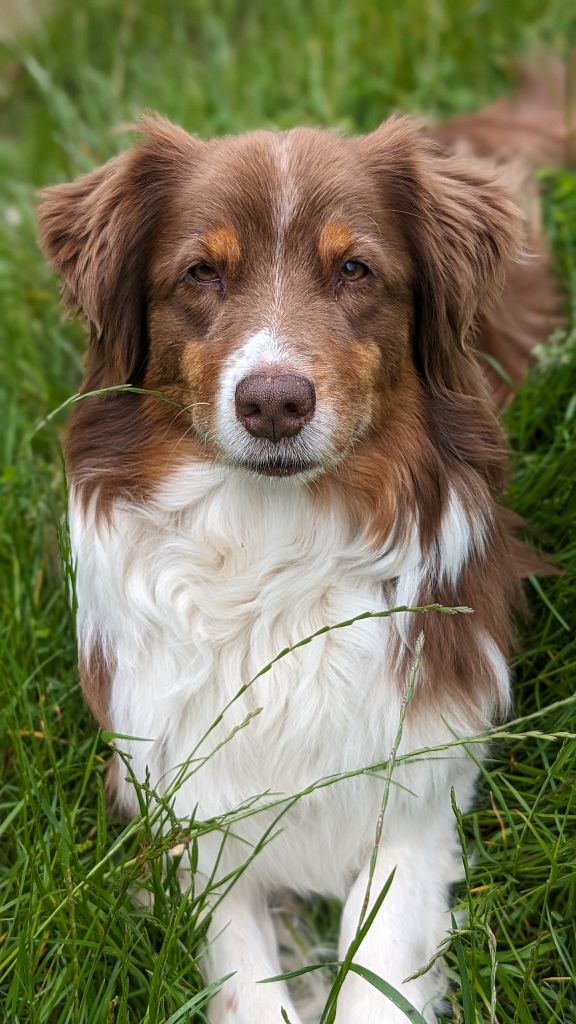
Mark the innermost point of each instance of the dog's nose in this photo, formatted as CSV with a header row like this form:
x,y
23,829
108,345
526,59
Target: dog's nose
x,y
275,406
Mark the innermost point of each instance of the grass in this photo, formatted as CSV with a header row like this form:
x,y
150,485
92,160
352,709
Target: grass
x,y
73,948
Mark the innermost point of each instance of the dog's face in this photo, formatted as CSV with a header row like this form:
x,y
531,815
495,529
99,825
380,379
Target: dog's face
x,y
279,306
291,291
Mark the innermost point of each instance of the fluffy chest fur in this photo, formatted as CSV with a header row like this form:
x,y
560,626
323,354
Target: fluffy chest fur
x,y
189,596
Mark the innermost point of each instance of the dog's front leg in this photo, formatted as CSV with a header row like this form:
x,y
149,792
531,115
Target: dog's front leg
x,y
241,939
406,932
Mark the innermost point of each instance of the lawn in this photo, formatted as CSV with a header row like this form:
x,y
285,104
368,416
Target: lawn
x,y
73,947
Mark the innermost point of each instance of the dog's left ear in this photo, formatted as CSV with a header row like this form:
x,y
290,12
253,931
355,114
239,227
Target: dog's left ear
x,y
462,230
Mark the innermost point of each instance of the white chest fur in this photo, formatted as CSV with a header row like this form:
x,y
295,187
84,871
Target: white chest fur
x,y
196,592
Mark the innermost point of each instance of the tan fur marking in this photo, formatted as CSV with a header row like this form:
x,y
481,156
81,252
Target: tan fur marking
x,y
334,242
224,246
377,477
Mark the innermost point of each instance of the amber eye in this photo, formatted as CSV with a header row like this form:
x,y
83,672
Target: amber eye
x,y
353,270
205,273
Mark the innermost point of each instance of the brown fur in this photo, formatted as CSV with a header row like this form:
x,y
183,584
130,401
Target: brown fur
x,y
96,673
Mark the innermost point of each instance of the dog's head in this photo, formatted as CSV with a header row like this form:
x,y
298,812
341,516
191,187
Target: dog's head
x,y
292,291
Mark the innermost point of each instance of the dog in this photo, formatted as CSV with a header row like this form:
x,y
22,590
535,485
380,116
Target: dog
x,y
308,434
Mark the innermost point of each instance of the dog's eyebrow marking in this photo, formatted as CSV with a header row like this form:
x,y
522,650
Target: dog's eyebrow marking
x,y
335,241
223,245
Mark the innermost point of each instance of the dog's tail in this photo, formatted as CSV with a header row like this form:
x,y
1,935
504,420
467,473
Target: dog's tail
x,y
519,134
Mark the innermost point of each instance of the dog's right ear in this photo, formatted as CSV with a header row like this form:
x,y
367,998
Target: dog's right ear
x,y
97,231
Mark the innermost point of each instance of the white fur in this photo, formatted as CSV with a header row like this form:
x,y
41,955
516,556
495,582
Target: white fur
x,y
462,534
196,591
286,199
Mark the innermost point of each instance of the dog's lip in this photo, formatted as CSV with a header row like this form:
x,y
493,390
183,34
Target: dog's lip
x,y
279,469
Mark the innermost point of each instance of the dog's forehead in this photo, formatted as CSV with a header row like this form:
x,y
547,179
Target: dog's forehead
x,y
263,180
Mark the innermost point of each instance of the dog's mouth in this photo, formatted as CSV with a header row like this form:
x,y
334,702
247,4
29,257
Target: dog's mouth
x,y
275,469
298,456
280,460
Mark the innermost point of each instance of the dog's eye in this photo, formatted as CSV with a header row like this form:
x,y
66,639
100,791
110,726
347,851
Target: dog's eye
x,y
205,273
353,270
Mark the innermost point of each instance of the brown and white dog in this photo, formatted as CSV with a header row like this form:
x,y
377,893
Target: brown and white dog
x,y
312,303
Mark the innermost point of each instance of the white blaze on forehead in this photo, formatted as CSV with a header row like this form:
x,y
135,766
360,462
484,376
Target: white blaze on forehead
x,y
287,194
286,198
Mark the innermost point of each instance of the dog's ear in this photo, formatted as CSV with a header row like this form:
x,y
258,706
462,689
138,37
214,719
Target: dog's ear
x,y
462,230
97,231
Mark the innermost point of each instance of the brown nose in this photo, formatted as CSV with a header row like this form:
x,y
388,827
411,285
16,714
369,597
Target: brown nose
x,y
275,407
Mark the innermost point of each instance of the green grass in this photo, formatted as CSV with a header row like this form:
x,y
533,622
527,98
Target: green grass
x,y
73,948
